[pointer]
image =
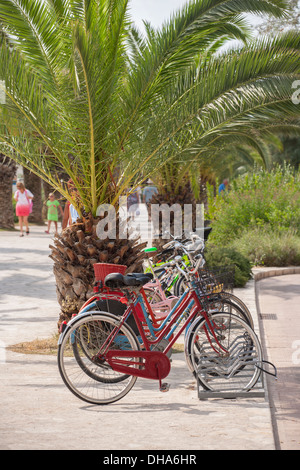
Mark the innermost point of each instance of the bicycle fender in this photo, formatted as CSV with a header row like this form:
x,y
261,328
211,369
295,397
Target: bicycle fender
x,y
79,316
189,330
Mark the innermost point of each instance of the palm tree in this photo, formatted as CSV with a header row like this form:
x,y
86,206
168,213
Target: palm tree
x,y
95,100
238,103
8,170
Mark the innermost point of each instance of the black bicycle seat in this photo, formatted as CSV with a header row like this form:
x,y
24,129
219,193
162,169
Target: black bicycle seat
x,y
140,275
117,280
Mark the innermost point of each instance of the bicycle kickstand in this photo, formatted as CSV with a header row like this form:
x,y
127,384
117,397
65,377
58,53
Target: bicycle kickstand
x,y
163,386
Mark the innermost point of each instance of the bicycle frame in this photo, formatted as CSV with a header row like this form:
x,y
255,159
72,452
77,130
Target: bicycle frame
x,y
154,326
122,360
163,307
159,311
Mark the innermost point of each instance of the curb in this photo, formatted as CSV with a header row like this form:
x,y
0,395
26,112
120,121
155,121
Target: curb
x,y
261,273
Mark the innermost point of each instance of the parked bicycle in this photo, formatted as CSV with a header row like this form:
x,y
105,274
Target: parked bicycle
x,y
159,303
156,306
100,357
192,250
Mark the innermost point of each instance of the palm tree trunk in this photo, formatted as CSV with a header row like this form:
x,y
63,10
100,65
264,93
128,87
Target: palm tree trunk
x,y
76,250
7,172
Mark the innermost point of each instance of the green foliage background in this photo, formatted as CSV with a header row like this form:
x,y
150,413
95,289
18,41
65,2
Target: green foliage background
x,y
259,218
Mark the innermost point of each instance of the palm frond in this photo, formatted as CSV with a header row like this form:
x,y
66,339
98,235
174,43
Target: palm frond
x,y
88,95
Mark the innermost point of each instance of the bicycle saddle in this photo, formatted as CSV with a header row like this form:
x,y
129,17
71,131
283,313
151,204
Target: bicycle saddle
x,y
118,280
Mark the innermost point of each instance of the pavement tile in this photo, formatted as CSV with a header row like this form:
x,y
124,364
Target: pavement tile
x,y
38,412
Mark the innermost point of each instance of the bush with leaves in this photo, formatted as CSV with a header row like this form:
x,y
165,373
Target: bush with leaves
x,y
228,256
260,199
259,218
263,247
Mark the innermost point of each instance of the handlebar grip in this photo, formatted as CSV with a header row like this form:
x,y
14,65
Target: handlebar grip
x,y
167,245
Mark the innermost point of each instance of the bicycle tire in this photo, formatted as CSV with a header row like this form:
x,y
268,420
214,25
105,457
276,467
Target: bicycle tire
x,y
179,287
217,371
236,300
95,382
224,304
218,305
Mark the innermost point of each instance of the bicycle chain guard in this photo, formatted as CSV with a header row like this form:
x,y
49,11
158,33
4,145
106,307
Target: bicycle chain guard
x,y
146,364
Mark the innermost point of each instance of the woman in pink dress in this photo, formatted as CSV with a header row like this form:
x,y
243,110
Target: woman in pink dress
x,y
23,208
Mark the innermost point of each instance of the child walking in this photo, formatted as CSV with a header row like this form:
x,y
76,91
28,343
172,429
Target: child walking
x,y
52,214
23,207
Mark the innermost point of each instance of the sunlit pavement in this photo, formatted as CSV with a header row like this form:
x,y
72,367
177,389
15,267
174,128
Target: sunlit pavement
x,y
279,300
38,412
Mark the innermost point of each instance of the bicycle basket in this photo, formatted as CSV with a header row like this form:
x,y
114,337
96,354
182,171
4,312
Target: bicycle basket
x,y
215,280
101,270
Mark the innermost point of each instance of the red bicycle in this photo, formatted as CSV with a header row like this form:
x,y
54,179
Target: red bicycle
x,y
100,357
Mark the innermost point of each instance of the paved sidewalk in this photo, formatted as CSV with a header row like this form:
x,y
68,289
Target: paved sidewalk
x,y
38,412
278,306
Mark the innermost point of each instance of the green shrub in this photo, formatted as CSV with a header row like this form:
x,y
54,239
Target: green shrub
x,y
229,256
264,247
257,221
262,199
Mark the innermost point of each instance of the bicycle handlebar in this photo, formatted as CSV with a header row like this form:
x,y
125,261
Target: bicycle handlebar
x,y
176,244
192,271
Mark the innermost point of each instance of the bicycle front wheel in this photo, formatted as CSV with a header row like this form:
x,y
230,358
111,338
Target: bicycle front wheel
x,y
237,301
223,303
87,375
180,286
224,353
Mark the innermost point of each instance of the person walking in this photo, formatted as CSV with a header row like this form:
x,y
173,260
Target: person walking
x,y
149,191
70,215
133,202
52,214
23,207
223,187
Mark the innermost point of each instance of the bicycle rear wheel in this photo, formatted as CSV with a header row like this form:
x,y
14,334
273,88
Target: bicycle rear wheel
x,y
87,375
224,353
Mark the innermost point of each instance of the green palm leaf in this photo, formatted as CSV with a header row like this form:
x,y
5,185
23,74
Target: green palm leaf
x,y
89,96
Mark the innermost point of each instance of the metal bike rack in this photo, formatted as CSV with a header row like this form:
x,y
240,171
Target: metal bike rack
x,y
258,391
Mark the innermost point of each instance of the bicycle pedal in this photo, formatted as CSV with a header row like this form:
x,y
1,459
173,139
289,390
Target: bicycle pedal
x,y
164,387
